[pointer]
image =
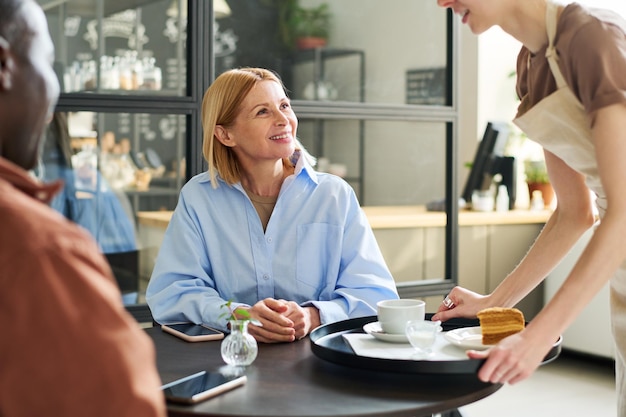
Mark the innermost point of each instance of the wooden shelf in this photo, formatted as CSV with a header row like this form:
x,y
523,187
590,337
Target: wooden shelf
x,y
396,217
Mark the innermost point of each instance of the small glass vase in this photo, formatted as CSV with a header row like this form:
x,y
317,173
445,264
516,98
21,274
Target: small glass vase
x,y
239,348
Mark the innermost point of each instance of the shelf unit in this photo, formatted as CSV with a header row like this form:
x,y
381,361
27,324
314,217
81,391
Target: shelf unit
x,y
180,100
183,80
319,57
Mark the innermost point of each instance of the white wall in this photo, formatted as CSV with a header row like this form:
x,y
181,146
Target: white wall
x,y
497,56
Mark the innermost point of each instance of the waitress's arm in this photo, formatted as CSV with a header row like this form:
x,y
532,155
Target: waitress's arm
x,y
569,221
601,258
606,250
571,218
598,262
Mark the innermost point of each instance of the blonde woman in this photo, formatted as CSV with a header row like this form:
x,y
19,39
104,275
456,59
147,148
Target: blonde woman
x,y
262,228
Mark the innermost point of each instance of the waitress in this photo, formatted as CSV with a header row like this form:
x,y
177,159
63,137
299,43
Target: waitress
x,y
571,78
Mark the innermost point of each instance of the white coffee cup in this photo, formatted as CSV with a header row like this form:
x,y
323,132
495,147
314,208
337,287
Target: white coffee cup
x,y
394,314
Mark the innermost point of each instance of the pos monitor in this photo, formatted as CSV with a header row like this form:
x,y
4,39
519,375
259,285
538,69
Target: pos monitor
x,y
489,160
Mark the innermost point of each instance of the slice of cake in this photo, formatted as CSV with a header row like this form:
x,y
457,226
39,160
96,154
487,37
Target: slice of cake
x,y
496,323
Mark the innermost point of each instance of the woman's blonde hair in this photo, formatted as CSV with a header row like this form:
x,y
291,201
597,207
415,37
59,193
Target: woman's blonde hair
x,y
220,106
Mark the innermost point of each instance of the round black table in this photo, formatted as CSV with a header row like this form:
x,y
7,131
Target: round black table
x,y
289,380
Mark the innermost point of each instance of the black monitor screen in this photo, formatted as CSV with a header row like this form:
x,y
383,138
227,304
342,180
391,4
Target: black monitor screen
x,y
489,152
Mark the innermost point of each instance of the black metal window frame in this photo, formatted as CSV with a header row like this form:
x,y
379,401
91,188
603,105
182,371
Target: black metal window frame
x,y
201,71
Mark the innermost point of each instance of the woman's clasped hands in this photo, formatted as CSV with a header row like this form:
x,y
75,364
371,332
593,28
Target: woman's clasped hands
x,y
281,320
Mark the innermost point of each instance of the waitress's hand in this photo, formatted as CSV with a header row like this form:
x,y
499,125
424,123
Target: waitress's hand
x,y
461,302
515,358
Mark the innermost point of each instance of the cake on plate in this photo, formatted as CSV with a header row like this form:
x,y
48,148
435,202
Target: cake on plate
x,y
496,323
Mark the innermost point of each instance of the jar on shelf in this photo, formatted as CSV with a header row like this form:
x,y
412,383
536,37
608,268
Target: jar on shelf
x,y
239,348
109,73
152,75
89,74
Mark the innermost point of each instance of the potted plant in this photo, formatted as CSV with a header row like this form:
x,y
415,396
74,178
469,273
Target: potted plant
x,y
537,179
302,27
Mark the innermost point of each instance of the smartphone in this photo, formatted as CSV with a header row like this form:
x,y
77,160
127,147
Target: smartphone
x,y
193,332
200,386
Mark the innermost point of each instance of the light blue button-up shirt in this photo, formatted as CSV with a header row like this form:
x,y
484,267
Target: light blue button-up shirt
x,y
318,249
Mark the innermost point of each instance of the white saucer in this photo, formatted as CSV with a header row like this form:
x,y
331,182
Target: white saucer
x,y
467,337
375,330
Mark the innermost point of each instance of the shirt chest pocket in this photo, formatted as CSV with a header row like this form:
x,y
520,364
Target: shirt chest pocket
x,y
318,255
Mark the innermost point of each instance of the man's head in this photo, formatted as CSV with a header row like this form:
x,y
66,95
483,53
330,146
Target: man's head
x,y
28,85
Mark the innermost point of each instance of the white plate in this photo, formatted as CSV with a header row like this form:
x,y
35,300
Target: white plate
x,y
467,337
375,330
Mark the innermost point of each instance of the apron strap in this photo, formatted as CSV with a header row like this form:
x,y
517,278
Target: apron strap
x,y
551,55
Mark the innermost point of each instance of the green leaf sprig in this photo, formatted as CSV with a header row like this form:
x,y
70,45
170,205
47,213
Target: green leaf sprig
x,y
238,314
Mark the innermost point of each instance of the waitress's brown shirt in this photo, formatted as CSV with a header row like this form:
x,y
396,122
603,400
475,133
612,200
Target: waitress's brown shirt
x,y
591,45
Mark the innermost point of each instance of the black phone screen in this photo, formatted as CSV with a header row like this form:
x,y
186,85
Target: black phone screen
x,y
200,386
195,384
193,329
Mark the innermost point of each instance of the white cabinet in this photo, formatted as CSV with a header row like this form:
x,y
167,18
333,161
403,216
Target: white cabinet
x,y
591,331
489,248
508,244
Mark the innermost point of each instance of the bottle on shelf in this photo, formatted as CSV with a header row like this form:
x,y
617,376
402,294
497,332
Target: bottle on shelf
x,y
536,200
502,199
152,75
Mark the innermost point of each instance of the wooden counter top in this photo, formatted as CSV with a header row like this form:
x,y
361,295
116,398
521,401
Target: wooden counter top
x,y
398,217
154,218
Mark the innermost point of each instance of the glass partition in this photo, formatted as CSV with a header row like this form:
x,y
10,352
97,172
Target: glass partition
x,y
388,163
406,162
119,47
376,106
361,60
115,166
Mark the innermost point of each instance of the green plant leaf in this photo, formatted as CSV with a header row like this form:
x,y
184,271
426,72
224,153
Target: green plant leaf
x,y
237,313
536,172
296,21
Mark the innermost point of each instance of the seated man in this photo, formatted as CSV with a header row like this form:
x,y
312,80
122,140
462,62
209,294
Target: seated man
x,y
68,346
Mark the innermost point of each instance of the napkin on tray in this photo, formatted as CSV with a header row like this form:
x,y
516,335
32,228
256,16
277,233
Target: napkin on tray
x,y
366,345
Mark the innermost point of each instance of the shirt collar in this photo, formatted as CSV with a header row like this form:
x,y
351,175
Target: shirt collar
x,y
20,179
302,165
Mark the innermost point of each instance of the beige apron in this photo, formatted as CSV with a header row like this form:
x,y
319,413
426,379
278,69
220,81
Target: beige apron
x,y
559,123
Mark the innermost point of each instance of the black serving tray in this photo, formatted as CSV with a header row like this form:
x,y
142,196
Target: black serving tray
x,y
327,343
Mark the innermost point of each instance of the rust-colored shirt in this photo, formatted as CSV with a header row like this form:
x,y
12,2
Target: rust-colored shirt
x,y
591,46
67,345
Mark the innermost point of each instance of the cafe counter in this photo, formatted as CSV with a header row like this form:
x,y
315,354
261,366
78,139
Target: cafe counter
x,y
401,217
412,241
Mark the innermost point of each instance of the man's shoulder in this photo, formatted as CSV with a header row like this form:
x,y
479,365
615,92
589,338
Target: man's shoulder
x,y
31,225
